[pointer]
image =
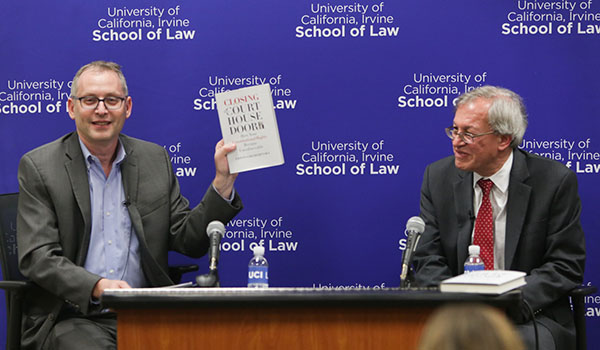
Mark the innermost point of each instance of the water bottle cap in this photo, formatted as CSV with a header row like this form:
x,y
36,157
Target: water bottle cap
x,y
474,249
259,250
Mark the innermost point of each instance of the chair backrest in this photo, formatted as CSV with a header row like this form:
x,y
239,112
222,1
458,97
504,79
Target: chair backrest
x,y
8,241
14,283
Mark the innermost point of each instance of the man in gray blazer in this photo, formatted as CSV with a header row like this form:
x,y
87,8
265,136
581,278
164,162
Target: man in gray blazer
x,y
99,210
535,206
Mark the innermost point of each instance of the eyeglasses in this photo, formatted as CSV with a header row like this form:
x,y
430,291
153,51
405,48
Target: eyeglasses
x,y
92,102
467,137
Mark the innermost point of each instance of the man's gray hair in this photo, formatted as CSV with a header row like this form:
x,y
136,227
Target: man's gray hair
x,y
507,114
99,66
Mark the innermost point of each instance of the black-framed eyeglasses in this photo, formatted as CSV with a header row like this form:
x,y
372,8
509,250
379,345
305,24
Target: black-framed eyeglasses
x,y
466,137
92,102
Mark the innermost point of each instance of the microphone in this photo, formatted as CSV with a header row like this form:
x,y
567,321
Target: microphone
x,y
215,231
414,228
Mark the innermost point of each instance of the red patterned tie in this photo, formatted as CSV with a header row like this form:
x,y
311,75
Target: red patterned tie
x,y
484,225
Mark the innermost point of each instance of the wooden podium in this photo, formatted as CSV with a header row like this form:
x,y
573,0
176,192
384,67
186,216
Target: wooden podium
x,y
278,318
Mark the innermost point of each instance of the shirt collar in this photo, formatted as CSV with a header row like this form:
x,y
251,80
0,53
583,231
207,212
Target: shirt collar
x,y
501,177
89,156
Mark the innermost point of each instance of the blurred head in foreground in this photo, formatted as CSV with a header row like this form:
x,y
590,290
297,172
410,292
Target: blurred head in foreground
x,y
469,326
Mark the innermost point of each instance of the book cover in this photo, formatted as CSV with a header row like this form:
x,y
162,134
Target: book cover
x,y
247,118
484,282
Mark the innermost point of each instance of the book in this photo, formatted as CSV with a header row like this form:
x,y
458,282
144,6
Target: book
x,y
484,282
247,118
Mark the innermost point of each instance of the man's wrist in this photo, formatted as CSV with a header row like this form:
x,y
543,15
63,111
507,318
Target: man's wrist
x,y
228,199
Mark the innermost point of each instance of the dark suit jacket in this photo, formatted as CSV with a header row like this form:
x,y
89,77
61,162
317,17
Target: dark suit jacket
x,y
54,225
544,237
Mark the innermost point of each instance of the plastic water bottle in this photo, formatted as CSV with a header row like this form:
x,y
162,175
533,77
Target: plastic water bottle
x,y
258,269
474,262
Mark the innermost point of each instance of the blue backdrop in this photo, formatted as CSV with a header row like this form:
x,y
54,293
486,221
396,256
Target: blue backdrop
x,y
363,91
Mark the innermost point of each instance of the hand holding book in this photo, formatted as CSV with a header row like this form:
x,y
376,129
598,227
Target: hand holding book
x,y
247,119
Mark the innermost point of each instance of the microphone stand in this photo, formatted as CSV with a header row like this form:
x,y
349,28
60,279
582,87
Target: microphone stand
x,y
406,282
209,280
215,232
406,259
414,228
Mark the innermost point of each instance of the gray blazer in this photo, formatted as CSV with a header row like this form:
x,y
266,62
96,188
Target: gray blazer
x,y
544,237
54,225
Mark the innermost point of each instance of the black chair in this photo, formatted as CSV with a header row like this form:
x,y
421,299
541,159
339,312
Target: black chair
x,y
14,284
177,271
578,303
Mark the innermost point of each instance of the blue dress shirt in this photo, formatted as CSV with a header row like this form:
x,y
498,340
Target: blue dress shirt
x,y
113,252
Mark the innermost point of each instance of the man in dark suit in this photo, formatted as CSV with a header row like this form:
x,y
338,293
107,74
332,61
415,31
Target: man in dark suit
x,y
535,208
99,210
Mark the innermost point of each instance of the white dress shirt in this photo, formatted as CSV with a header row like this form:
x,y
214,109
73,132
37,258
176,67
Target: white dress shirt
x,y
498,198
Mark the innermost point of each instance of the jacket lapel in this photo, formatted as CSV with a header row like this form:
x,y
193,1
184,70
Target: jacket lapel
x,y
463,202
76,166
129,171
516,208
130,175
